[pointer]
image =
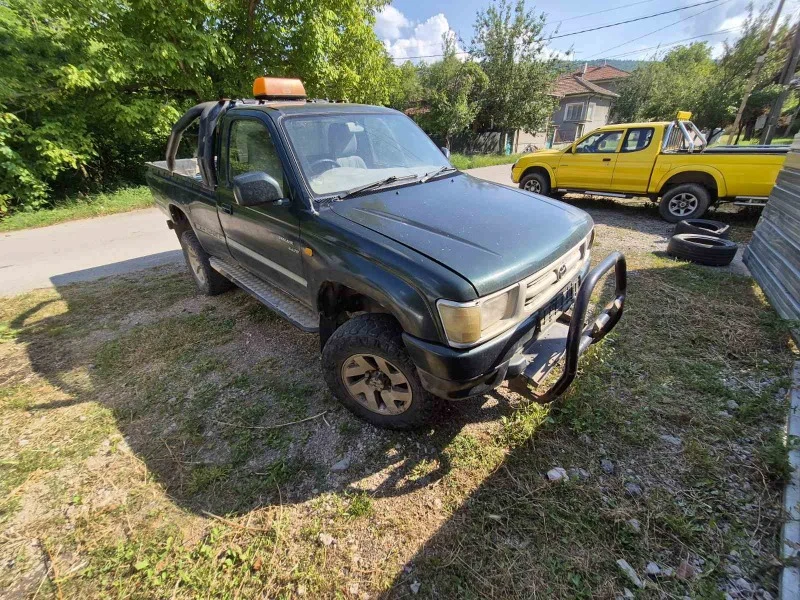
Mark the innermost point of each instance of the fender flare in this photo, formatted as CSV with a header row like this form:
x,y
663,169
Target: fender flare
x,y
719,179
405,303
539,165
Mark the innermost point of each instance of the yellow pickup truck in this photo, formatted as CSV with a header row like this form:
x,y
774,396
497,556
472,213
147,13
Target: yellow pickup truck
x,y
669,162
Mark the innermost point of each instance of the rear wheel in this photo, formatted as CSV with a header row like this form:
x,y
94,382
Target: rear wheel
x,y
366,366
684,201
208,281
536,183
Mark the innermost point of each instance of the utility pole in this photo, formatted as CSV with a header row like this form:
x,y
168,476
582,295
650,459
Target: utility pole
x,y
771,125
756,70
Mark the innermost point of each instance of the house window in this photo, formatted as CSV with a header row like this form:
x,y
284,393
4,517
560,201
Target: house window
x,y
579,131
589,111
573,111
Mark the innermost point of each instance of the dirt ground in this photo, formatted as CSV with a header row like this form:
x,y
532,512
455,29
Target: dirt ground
x,y
158,444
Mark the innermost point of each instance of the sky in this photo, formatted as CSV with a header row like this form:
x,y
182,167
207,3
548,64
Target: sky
x,y
411,28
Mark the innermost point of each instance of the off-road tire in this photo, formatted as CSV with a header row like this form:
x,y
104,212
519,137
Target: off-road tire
x,y
694,193
703,227
702,249
538,183
208,281
378,335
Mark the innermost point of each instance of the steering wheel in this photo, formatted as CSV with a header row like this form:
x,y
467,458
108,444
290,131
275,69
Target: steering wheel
x,y
318,167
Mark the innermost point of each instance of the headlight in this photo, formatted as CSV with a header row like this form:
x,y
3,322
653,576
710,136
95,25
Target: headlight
x,y
590,240
468,322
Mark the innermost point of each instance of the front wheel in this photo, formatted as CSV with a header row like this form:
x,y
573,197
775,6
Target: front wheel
x,y
536,183
367,368
684,201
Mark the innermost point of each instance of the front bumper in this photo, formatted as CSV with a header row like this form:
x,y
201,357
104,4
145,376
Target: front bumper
x,y
528,352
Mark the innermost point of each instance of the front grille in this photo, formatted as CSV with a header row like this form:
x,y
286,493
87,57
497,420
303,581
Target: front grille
x,y
540,287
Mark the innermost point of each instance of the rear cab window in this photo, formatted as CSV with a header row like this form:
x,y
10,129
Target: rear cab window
x,y
637,139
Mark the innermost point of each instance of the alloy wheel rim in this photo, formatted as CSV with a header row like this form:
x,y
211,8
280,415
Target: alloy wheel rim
x,y
683,204
195,265
533,186
376,384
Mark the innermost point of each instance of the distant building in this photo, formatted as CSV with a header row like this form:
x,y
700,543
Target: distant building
x,y
585,98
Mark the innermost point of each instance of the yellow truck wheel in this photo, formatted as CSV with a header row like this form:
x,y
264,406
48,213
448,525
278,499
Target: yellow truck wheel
x,y
538,183
684,201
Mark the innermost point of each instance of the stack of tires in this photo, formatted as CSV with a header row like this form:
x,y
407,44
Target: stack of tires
x,y
702,241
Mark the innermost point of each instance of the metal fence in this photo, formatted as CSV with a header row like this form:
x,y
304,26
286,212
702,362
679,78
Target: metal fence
x,y
773,255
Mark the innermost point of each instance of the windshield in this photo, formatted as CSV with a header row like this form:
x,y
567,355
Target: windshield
x,y
344,151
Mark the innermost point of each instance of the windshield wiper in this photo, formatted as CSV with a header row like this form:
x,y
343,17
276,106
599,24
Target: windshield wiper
x,y
374,185
437,172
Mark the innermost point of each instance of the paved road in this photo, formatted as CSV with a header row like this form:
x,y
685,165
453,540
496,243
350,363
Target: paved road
x,y
94,248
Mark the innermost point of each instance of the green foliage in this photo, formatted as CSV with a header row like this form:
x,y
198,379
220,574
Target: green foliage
x,y
472,161
452,91
90,88
510,46
688,79
94,205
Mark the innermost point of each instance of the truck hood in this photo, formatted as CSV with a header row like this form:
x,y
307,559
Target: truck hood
x,y
546,152
490,234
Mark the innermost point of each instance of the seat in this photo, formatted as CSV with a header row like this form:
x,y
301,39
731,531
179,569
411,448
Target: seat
x,y
343,146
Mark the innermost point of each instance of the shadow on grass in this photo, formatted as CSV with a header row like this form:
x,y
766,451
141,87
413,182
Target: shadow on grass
x,y
211,394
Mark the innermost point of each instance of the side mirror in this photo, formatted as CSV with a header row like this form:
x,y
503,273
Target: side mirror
x,y
446,152
251,189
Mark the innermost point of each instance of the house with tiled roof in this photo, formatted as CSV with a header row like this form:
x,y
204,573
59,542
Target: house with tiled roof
x,y
585,98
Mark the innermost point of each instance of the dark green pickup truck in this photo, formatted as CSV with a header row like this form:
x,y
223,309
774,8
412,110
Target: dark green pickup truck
x,y
423,282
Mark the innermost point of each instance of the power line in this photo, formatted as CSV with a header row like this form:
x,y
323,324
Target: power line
x,y
666,12
667,45
659,30
591,14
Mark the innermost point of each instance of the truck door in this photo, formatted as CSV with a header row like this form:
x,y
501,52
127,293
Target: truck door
x,y
263,238
635,160
590,164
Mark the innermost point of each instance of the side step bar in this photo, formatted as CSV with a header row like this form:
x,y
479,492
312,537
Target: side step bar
x,y
294,311
569,338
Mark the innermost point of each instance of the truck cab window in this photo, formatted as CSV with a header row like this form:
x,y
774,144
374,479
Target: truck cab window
x,y
251,149
637,139
602,142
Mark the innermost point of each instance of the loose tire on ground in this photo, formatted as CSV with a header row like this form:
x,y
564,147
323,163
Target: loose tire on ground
x,y
702,249
208,281
684,201
703,227
367,368
538,183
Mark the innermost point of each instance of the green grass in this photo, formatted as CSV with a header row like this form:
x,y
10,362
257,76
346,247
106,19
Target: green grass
x,y
473,161
152,442
96,205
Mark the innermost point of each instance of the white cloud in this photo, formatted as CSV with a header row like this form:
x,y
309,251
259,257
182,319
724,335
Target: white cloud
x,y
390,22
404,38
734,22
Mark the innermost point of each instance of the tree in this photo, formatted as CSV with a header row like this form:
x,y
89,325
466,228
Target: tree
x,y
89,89
689,79
658,89
451,93
510,47
407,90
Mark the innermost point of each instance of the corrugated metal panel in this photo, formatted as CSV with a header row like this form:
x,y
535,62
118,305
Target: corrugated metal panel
x,y
773,256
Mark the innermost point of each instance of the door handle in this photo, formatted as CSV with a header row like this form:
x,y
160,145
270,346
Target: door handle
x,y
226,208
606,160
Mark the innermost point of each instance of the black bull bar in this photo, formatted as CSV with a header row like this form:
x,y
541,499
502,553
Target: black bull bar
x,y
568,338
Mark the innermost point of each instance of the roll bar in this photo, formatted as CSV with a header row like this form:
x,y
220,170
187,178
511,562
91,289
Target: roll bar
x,y
209,114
